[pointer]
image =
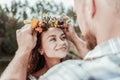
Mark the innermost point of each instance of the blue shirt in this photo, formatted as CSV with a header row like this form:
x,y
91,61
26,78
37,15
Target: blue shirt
x,y
102,63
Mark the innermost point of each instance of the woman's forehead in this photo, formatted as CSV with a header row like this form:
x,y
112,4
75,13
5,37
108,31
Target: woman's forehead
x,y
53,31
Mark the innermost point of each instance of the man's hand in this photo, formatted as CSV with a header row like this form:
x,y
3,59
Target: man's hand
x,y
26,39
70,32
77,41
17,68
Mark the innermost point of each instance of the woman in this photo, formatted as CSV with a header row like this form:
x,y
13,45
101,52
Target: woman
x,y
26,40
51,46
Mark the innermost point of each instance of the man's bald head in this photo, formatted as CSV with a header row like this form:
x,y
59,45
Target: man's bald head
x,y
97,18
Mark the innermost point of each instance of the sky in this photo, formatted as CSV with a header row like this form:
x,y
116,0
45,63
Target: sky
x,y
66,3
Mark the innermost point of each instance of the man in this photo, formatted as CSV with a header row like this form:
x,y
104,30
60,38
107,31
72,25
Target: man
x,y
99,23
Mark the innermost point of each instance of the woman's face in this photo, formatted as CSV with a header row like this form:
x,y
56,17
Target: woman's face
x,y
54,43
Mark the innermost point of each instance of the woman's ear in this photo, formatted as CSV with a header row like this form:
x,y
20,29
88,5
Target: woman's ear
x,y
90,9
41,51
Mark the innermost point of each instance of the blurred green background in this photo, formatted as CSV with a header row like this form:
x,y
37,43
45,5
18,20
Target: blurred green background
x,y
12,16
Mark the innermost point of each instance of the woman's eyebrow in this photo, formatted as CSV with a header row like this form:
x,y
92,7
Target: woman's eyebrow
x,y
51,36
54,35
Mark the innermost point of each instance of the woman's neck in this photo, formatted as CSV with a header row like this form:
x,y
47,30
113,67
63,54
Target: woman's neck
x,y
49,64
52,62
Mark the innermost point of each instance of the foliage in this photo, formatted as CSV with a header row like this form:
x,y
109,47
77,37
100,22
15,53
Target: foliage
x,y
8,26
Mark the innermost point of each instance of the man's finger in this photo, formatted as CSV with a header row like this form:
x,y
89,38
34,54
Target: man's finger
x,y
27,28
35,36
18,31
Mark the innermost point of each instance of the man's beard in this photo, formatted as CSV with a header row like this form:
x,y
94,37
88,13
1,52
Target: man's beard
x,y
90,40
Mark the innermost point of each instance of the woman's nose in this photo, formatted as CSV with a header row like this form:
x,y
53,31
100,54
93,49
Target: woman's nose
x,y
61,42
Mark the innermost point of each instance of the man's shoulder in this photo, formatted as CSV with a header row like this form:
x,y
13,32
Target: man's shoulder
x,y
64,66
67,62
65,69
70,63
107,66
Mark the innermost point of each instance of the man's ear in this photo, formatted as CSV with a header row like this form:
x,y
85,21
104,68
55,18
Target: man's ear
x,y
41,51
90,9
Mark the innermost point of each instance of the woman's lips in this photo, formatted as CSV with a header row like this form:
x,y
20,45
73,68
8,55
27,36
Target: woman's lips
x,y
62,48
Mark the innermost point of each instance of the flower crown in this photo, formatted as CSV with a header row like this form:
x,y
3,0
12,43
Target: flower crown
x,y
48,21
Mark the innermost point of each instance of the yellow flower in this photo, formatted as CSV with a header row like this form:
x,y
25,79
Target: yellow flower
x,y
56,23
44,15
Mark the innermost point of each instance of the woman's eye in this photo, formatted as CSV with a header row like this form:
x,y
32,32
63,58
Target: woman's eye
x,y
53,39
63,37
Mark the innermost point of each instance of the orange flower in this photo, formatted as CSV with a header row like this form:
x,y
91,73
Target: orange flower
x,y
34,23
39,29
39,24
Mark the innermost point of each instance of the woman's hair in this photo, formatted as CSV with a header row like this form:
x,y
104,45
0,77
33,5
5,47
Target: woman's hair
x,y
36,60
